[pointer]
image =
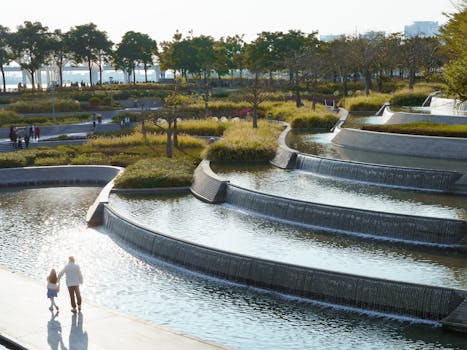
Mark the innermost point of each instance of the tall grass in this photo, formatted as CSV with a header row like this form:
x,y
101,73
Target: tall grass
x,y
243,143
428,129
370,103
157,172
138,139
45,105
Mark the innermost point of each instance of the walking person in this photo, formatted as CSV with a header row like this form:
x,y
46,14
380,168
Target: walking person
x,y
53,287
73,279
37,132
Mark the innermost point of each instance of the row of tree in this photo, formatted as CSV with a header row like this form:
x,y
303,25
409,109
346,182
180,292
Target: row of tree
x,y
303,57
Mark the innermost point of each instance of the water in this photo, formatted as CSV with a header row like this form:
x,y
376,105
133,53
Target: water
x,y
320,144
308,187
187,218
241,317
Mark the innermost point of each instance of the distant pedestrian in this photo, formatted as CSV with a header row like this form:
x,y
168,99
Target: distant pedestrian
x,y
73,279
94,119
37,132
122,123
53,287
26,141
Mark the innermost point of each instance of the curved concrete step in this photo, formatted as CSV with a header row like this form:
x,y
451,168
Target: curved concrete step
x,y
457,320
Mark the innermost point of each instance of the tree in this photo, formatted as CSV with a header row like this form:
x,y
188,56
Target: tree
x,y
31,46
419,53
235,52
454,36
5,52
59,52
256,59
89,45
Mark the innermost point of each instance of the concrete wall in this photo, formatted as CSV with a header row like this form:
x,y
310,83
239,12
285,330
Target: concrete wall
x,y
391,297
58,175
411,145
207,186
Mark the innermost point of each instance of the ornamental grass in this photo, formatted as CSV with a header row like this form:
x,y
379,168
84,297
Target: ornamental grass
x,y
157,172
243,143
427,129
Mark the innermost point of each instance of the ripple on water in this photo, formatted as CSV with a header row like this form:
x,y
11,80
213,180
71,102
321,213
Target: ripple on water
x,y
119,278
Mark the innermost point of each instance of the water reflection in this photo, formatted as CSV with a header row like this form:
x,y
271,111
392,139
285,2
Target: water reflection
x,y
320,144
308,187
123,279
187,218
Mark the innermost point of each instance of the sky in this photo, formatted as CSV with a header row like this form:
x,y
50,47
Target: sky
x,y
160,19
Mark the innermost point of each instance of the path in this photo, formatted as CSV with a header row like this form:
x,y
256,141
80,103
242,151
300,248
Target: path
x,y
25,318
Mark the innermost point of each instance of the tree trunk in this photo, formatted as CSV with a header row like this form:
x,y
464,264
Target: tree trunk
x,y
100,74
344,86
90,73
134,76
33,82
380,82
411,78
175,132
313,97
60,74
3,78
255,101
367,82
145,74
168,148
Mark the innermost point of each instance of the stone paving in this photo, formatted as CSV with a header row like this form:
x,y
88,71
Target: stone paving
x,y
25,319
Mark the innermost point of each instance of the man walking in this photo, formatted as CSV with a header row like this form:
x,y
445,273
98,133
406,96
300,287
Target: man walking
x,y
73,279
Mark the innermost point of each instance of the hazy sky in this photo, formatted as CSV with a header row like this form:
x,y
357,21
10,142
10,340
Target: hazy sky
x,y
160,19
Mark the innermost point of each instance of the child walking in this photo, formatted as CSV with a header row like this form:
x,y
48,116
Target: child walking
x,y
53,288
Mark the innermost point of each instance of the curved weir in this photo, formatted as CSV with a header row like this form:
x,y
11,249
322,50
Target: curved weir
x,y
405,228
126,280
421,301
379,174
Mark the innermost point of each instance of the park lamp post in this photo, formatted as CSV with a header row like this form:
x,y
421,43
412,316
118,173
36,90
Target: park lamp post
x,y
111,80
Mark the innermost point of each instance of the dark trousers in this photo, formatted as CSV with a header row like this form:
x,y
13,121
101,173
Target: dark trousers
x,y
74,290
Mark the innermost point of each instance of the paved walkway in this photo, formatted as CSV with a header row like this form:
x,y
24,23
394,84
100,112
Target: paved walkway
x,y
25,318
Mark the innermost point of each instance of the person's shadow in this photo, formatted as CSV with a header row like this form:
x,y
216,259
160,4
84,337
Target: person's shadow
x,y
54,333
78,339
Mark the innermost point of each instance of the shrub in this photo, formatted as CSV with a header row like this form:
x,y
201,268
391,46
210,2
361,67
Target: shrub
x,y
12,160
123,159
48,161
94,101
156,172
91,159
106,101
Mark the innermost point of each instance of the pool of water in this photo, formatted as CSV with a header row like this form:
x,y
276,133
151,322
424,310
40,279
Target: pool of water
x,y
308,187
39,228
225,227
320,144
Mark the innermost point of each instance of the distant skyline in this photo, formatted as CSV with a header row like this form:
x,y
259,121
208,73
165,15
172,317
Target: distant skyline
x,y
221,18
